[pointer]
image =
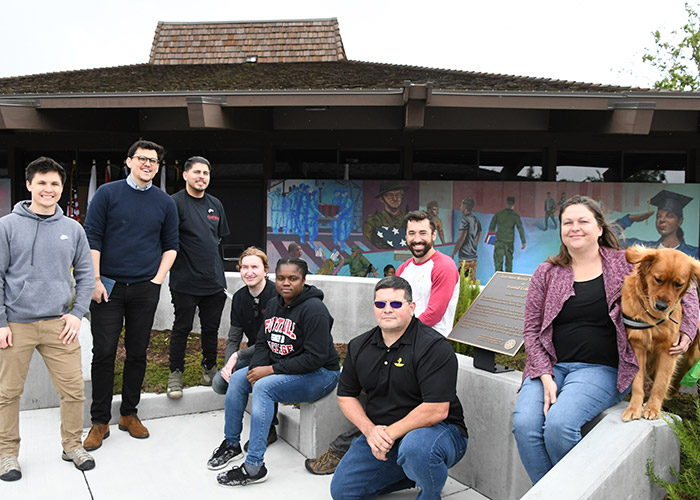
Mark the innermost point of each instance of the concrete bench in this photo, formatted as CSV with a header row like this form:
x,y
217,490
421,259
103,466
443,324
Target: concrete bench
x,y
610,462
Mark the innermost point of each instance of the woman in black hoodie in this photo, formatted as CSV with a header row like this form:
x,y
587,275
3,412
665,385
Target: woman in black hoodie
x,y
294,360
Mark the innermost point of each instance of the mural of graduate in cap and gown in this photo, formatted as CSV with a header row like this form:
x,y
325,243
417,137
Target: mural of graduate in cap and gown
x,y
669,218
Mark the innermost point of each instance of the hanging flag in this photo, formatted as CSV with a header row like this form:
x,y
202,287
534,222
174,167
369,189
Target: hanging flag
x,y
108,173
92,187
163,178
73,210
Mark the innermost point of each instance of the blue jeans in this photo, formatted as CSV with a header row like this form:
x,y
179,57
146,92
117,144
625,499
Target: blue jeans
x,y
220,386
421,458
267,391
218,383
583,391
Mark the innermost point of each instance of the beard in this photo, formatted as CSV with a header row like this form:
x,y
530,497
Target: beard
x,y
427,246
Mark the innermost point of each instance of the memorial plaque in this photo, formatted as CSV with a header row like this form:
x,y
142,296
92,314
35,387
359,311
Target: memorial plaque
x,y
495,320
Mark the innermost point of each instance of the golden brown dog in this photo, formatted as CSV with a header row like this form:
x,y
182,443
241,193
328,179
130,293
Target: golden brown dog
x,y
651,304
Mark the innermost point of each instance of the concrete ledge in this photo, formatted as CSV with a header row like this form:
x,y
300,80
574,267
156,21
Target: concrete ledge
x,y
611,461
344,296
491,465
195,400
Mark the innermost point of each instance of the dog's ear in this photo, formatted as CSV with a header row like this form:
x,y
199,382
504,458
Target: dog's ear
x,y
637,253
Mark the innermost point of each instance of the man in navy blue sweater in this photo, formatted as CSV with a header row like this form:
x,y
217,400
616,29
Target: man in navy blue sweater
x,y
132,228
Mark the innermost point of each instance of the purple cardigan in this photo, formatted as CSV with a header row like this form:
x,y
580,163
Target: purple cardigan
x,y
552,285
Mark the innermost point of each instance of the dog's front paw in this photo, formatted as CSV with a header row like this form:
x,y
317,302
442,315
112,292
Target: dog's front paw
x,y
651,413
631,413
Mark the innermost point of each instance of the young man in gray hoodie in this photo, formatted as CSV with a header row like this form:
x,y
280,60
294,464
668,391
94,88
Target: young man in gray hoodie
x,y
38,247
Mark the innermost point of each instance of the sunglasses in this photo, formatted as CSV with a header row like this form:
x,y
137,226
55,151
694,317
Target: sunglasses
x,y
395,304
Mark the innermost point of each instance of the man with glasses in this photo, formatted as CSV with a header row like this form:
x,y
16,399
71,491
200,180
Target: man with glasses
x,y
132,228
412,424
197,279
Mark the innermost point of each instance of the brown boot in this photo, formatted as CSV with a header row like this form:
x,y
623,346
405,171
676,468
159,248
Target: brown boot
x,y
98,433
325,464
132,424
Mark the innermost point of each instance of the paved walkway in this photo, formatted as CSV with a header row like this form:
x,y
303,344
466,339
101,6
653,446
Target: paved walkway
x,y
168,465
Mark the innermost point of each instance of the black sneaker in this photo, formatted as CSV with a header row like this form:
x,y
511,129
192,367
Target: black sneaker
x,y
238,476
224,455
271,437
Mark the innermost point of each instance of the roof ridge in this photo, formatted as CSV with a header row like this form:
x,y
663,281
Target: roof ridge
x,y
254,21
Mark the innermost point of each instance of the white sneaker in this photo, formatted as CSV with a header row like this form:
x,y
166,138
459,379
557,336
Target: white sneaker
x,y
80,458
10,469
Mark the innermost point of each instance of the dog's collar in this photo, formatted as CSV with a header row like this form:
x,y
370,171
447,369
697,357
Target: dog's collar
x,y
638,324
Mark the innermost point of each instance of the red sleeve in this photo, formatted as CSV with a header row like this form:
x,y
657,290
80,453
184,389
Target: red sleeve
x,y
402,267
444,278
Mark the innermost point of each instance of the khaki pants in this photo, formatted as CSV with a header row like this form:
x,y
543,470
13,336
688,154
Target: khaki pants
x,y
63,363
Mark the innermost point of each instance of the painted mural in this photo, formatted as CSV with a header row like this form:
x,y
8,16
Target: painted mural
x,y
5,197
355,228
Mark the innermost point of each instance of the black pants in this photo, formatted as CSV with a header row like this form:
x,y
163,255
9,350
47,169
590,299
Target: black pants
x,y
210,307
134,306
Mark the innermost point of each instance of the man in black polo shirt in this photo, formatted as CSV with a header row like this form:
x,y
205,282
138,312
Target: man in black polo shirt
x,y
197,279
412,425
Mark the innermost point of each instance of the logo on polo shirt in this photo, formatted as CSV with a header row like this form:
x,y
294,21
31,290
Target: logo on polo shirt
x,y
399,363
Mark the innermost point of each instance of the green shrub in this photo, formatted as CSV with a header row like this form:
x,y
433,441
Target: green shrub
x,y
688,433
468,293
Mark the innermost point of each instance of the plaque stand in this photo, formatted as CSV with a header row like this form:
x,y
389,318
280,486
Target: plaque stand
x,y
486,360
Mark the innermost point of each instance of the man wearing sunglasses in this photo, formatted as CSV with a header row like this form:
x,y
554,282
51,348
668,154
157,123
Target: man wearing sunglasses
x,y
132,228
435,281
412,424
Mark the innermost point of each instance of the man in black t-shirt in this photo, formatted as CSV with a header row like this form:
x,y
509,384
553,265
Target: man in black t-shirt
x,y
197,279
412,424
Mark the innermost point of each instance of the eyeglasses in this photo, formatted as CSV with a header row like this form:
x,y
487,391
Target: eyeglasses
x,y
395,304
145,159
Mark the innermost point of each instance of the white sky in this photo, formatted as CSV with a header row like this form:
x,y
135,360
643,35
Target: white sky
x,y
597,41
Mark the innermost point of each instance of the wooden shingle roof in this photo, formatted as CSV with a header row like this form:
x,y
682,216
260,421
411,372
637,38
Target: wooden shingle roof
x,y
310,40
278,76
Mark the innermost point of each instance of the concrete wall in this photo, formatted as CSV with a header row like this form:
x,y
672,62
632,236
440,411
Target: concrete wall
x,y
344,297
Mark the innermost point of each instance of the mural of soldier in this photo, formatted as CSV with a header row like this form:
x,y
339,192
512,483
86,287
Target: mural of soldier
x,y
550,206
468,239
276,210
434,210
312,214
669,217
302,218
384,229
504,223
335,223
287,212
360,266
345,216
